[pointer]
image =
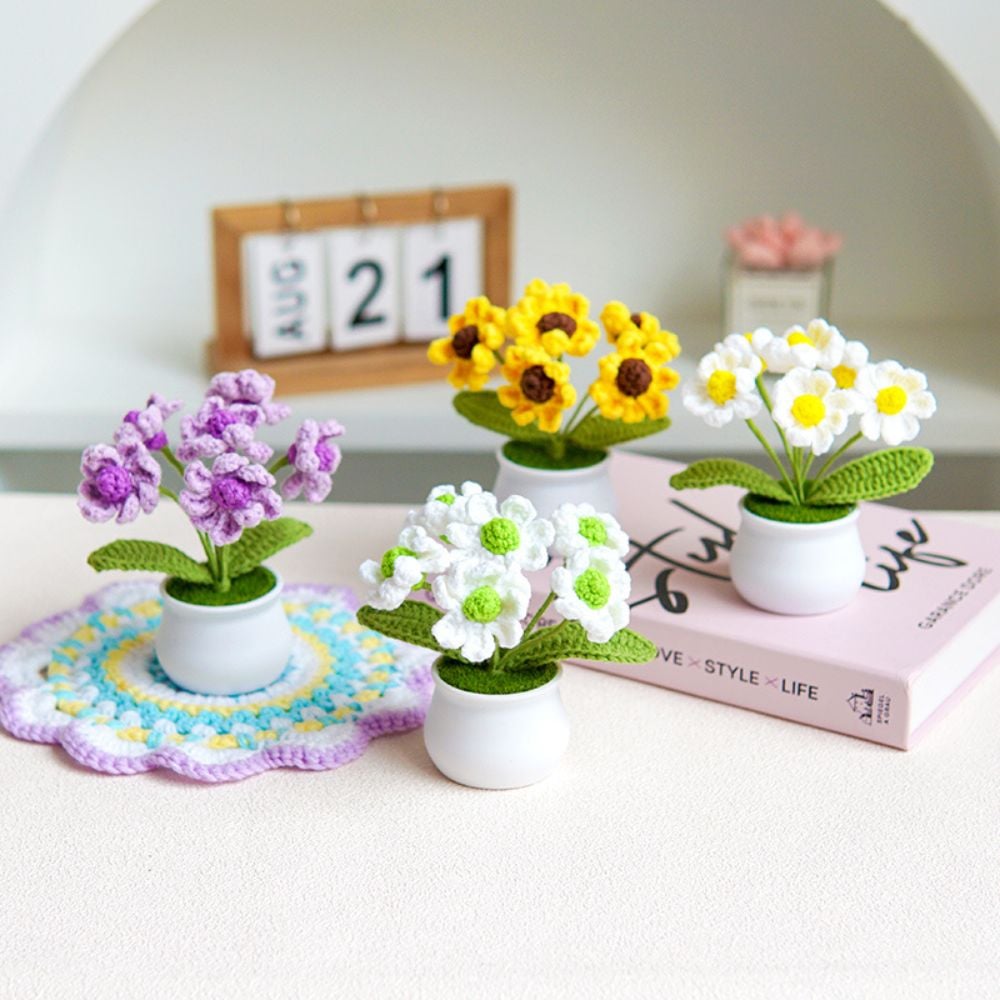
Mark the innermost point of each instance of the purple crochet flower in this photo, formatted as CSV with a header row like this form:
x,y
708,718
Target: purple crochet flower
x,y
248,389
119,481
150,421
219,427
235,495
314,459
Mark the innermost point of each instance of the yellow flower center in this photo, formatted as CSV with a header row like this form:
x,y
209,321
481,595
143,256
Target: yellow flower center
x,y
721,387
808,410
800,338
844,376
890,400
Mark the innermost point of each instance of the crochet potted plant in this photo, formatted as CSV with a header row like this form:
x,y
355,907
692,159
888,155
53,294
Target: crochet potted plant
x,y
223,629
777,270
455,583
557,446
798,550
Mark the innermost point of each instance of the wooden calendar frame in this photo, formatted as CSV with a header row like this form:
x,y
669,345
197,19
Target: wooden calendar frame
x,y
329,369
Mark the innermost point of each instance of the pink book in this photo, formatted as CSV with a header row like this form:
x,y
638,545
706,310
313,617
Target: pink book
x,y
925,626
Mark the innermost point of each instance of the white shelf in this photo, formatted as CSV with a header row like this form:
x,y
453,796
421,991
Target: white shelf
x,y
62,397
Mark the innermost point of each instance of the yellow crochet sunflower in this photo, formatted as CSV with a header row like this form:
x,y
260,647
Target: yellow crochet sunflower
x,y
633,380
555,318
540,389
618,319
475,336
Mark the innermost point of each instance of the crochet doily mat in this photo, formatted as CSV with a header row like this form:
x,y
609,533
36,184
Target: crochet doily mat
x,y
88,679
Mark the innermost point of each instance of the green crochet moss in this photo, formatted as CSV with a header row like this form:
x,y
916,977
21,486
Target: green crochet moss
x,y
476,678
247,587
776,510
537,456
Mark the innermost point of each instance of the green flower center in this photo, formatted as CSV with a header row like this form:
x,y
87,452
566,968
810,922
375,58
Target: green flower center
x,y
594,530
593,588
446,498
388,566
483,605
500,536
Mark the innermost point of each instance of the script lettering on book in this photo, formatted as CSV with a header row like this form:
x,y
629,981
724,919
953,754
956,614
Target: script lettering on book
x,y
691,547
899,557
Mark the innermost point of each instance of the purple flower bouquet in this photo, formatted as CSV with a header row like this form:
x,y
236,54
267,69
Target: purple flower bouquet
x,y
228,487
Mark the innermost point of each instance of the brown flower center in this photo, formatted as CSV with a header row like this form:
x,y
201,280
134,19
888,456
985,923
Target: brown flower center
x,y
636,318
557,321
634,377
464,341
536,385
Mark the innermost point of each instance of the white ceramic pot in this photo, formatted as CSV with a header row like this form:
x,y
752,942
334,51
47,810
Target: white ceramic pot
x,y
797,569
496,740
548,488
224,650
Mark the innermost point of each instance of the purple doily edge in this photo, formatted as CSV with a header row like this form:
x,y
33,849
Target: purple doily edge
x,y
370,727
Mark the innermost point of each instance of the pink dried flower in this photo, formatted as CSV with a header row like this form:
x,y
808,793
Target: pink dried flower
x,y
765,243
119,481
236,494
150,421
314,459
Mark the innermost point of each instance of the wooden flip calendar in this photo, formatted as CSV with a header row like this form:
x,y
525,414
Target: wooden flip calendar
x,y
347,292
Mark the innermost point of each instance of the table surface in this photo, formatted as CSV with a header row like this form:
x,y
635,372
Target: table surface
x,y
684,848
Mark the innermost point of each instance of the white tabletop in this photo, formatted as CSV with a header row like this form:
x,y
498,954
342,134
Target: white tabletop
x,y
684,848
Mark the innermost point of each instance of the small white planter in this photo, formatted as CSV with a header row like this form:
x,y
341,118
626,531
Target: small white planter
x,y
548,488
797,569
496,740
224,650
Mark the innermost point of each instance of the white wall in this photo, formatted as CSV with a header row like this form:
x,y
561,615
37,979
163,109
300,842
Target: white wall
x,y
633,135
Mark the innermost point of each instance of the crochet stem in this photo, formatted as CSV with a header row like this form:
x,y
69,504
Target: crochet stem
x,y
224,582
169,494
833,458
538,614
762,389
278,464
175,464
766,445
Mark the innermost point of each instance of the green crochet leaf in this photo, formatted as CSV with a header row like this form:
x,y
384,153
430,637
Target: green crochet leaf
x,y
485,410
154,557
874,476
568,641
260,543
598,433
411,622
708,472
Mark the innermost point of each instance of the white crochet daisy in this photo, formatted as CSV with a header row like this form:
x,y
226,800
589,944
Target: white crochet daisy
x,y
723,386
892,401
845,366
484,603
511,532
579,526
810,408
593,588
403,568
815,346
749,344
444,504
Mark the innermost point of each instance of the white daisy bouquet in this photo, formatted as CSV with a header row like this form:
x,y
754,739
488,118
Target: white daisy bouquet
x,y
824,381
465,556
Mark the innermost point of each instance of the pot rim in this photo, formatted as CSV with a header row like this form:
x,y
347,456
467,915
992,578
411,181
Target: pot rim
x,y
563,474
482,700
221,610
815,527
